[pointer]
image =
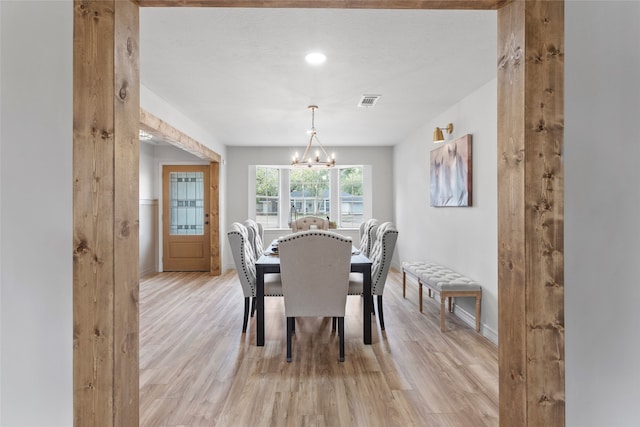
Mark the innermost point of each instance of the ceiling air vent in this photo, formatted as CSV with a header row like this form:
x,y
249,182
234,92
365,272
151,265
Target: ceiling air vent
x,y
368,100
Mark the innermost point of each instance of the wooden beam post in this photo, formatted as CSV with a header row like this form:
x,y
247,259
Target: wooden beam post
x,y
214,218
530,213
105,213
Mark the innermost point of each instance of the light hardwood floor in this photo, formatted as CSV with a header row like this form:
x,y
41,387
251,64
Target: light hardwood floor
x,y
198,369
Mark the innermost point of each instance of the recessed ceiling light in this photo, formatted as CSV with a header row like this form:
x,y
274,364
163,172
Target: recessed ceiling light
x,y
315,58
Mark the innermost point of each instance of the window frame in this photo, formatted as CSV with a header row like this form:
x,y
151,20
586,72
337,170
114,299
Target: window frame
x,y
334,192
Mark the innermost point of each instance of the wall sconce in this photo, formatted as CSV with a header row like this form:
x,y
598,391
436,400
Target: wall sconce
x,y
437,134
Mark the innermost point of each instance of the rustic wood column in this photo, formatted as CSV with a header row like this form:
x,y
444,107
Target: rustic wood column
x,y
214,218
105,213
530,213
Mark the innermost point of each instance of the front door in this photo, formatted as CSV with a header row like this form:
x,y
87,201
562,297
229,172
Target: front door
x,y
185,218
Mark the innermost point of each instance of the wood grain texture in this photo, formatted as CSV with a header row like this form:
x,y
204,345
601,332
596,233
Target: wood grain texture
x,y
214,218
530,213
544,212
126,214
105,222
198,369
93,214
177,138
333,4
94,41
511,226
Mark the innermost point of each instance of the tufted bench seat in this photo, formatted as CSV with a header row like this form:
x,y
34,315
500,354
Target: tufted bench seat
x,y
443,281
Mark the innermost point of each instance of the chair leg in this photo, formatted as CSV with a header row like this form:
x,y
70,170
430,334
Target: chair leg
x,y
380,315
341,333
290,323
293,325
253,305
333,324
245,318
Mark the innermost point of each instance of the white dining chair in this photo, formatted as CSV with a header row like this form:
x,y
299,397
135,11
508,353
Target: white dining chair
x,y
309,222
314,268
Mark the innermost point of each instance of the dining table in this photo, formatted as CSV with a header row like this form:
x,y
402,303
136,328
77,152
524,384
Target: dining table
x,y
269,262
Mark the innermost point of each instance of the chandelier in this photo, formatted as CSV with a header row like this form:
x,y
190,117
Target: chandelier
x,y
306,159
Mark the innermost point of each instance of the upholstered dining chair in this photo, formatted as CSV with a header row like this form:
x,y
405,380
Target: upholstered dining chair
x,y
368,235
308,223
314,268
245,262
256,236
380,256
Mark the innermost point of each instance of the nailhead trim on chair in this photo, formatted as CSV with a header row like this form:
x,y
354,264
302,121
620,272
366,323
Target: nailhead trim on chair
x,y
322,233
244,260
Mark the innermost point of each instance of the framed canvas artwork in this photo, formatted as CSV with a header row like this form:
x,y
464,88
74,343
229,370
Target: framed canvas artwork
x,y
450,173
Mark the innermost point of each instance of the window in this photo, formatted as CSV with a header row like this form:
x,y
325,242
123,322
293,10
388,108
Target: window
x,y
267,200
281,193
186,203
351,197
310,192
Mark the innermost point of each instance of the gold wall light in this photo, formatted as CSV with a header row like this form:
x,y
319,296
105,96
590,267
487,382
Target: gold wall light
x,y
437,134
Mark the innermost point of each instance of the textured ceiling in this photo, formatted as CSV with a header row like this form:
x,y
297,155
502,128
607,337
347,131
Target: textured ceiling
x,y
241,74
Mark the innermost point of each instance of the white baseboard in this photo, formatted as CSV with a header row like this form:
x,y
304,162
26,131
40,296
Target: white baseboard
x,y
470,319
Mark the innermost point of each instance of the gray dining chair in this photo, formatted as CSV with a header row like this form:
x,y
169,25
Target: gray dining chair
x,y
314,268
368,235
256,236
380,256
245,262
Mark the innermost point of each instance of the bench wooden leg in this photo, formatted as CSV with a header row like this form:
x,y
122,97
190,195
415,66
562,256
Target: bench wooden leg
x,y
404,284
478,300
442,312
420,295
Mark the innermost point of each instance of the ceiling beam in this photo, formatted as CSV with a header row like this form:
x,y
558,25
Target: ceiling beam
x,y
334,4
163,130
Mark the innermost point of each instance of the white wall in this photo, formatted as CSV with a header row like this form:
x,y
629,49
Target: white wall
x,y
239,159
0,219
462,238
602,212
148,212
36,193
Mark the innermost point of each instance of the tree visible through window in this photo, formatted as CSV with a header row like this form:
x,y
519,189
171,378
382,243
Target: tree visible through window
x,y
310,191
351,197
267,196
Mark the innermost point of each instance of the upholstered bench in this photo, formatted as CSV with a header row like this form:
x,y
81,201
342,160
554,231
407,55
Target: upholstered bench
x,y
444,281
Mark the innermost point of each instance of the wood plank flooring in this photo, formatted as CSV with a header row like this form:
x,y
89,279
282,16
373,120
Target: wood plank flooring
x,y
198,369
